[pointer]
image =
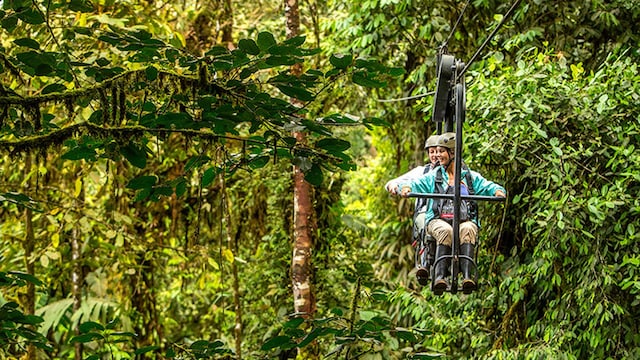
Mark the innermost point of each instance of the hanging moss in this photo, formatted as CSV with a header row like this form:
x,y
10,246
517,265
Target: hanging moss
x,y
123,104
114,103
69,105
104,106
32,110
4,112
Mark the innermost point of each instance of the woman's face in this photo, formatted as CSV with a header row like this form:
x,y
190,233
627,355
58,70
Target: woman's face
x,y
433,154
443,155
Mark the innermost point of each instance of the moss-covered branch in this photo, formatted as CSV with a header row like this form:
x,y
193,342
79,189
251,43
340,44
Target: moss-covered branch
x,y
185,81
59,136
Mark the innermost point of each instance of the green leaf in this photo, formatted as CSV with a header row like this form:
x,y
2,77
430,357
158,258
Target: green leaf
x,y
333,145
89,326
406,335
145,349
376,121
18,199
22,275
43,69
265,40
396,71
314,175
135,155
142,182
80,153
151,72
181,186
85,338
53,88
249,46
209,175
81,5
142,194
293,323
370,66
31,16
276,342
199,345
296,40
9,23
364,78
259,162
284,50
27,42
341,61
279,60
296,92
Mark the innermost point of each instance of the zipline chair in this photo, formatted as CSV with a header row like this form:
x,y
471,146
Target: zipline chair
x,y
449,108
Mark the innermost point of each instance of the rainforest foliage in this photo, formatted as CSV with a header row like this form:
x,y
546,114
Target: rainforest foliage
x,y
145,180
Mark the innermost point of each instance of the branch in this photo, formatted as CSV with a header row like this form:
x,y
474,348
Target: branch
x,y
59,136
107,84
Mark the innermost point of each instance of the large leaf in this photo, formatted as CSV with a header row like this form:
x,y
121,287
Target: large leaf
x,y
276,342
18,199
135,155
314,175
367,79
80,153
341,61
249,46
31,16
333,145
88,326
265,41
85,338
142,182
81,5
27,42
296,92
146,349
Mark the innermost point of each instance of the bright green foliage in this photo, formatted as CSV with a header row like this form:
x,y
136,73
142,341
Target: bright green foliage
x,y
16,328
565,147
559,272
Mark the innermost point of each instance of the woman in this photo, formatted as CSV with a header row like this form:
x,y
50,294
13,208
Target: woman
x,y
438,218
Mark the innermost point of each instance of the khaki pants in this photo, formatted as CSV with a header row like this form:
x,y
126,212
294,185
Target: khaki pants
x,y
442,231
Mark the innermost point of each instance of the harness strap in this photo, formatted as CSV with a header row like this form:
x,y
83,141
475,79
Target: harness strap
x,y
441,189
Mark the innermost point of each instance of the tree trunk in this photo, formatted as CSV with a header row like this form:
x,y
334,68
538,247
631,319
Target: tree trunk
x,y
76,281
227,28
232,244
303,217
29,246
77,277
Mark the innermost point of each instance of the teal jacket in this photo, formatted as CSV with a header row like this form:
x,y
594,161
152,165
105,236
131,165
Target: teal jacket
x,y
427,184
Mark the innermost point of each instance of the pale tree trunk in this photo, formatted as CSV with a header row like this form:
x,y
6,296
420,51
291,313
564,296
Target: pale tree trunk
x,y
303,216
29,246
77,277
232,244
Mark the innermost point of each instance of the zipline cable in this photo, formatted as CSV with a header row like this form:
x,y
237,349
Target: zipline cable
x,y
407,97
453,30
473,58
489,38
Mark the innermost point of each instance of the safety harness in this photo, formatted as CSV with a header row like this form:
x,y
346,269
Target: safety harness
x,y
443,208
